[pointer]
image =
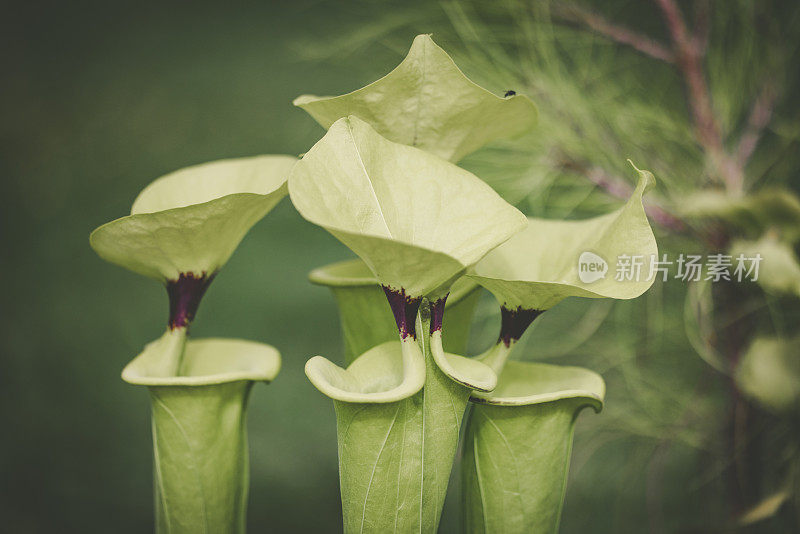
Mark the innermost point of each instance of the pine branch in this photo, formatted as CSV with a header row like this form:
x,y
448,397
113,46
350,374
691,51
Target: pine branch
x,y
702,24
690,49
760,116
689,60
620,34
687,52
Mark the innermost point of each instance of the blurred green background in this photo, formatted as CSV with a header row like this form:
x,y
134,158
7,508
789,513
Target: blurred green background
x,y
98,99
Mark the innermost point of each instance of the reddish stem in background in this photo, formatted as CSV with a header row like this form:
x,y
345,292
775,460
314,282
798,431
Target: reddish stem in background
x,y
619,34
687,52
690,50
760,116
185,295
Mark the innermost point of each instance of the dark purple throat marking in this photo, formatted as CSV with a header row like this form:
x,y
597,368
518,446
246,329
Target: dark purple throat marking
x,y
185,294
404,308
437,313
514,323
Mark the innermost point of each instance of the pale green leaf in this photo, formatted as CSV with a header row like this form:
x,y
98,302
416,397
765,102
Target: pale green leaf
x,y
539,267
517,447
416,220
192,220
427,102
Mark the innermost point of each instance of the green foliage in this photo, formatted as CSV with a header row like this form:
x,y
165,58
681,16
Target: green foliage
x,y
770,373
779,269
427,102
764,210
413,219
189,223
518,443
199,432
611,83
386,202
395,458
192,220
593,119
116,94
537,268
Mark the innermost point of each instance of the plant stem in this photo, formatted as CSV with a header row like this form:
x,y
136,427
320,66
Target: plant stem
x,y
760,115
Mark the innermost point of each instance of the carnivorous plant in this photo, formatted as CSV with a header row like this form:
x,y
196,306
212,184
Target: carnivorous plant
x,y
182,229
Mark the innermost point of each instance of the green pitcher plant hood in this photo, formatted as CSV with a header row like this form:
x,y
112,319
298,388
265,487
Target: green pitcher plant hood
x,y
541,266
365,319
199,429
427,102
517,447
189,222
416,220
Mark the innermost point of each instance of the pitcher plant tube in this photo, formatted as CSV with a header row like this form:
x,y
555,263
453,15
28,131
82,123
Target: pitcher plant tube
x,y
519,436
517,447
417,222
201,475
182,229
